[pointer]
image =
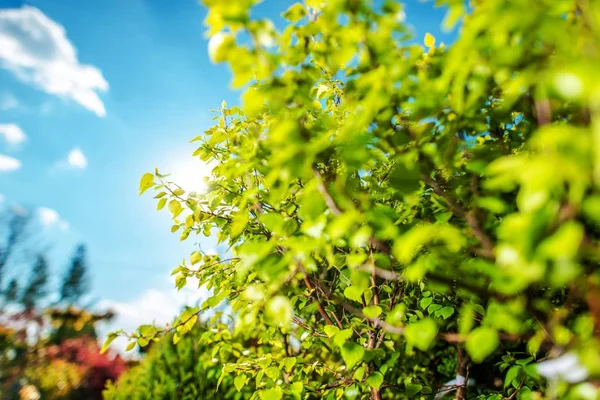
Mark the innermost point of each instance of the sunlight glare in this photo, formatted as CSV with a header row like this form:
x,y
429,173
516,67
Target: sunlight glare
x,y
190,174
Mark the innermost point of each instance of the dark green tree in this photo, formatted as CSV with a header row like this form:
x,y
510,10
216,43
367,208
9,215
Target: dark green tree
x,y
37,288
15,222
75,282
12,291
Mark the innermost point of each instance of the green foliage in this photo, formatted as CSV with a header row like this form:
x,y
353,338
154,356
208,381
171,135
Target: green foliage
x,y
397,213
187,370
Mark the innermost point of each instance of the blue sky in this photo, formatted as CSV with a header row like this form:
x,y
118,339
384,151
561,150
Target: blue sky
x,y
92,95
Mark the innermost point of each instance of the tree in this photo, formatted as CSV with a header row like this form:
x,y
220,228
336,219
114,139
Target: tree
x,y
36,289
11,292
16,221
401,216
75,281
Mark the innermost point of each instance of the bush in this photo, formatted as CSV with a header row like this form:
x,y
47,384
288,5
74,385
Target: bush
x,y
403,217
189,369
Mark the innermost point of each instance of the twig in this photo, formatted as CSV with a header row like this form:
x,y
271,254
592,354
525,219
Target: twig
x,y
470,219
326,196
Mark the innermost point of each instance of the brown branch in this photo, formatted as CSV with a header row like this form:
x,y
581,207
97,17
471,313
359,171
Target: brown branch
x,y
462,370
481,291
296,320
326,196
543,111
470,219
320,307
517,390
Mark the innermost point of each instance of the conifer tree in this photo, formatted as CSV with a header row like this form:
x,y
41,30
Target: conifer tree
x,y
75,282
36,289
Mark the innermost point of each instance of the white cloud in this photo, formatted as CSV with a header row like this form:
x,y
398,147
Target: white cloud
x,y
49,217
8,164
12,134
152,306
8,102
36,49
77,159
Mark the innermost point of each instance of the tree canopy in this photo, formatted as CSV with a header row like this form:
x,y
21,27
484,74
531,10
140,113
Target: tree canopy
x,y
404,218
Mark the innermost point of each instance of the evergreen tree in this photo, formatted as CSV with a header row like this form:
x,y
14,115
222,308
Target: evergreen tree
x,y
36,289
11,291
16,224
75,282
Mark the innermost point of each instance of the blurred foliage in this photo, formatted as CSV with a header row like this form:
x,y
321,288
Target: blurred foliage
x,y
64,364
47,352
187,370
402,217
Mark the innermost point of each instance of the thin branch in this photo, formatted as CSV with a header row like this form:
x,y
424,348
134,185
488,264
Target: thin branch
x,y
326,196
320,307
471,220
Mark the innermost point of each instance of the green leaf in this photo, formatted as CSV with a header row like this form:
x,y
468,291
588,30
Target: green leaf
x,y
146,182
421,334
161,203
175,207
433,308
271,394
511,375
295,13
279,311
342,337
196,257
405,180
425,302
372,312
359,374
289,363
272,372
375,380
481,342
147,330
353,293
352,354
429,40
331,330
412,389
274,222
131,345
240,382
446,312
109,339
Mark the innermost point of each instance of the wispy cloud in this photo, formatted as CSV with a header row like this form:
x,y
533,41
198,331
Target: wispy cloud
x,y
9,164
152,306
8,102
36,49
49,217
12,134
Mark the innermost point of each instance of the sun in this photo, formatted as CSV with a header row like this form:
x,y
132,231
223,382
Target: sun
x,y
191,174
